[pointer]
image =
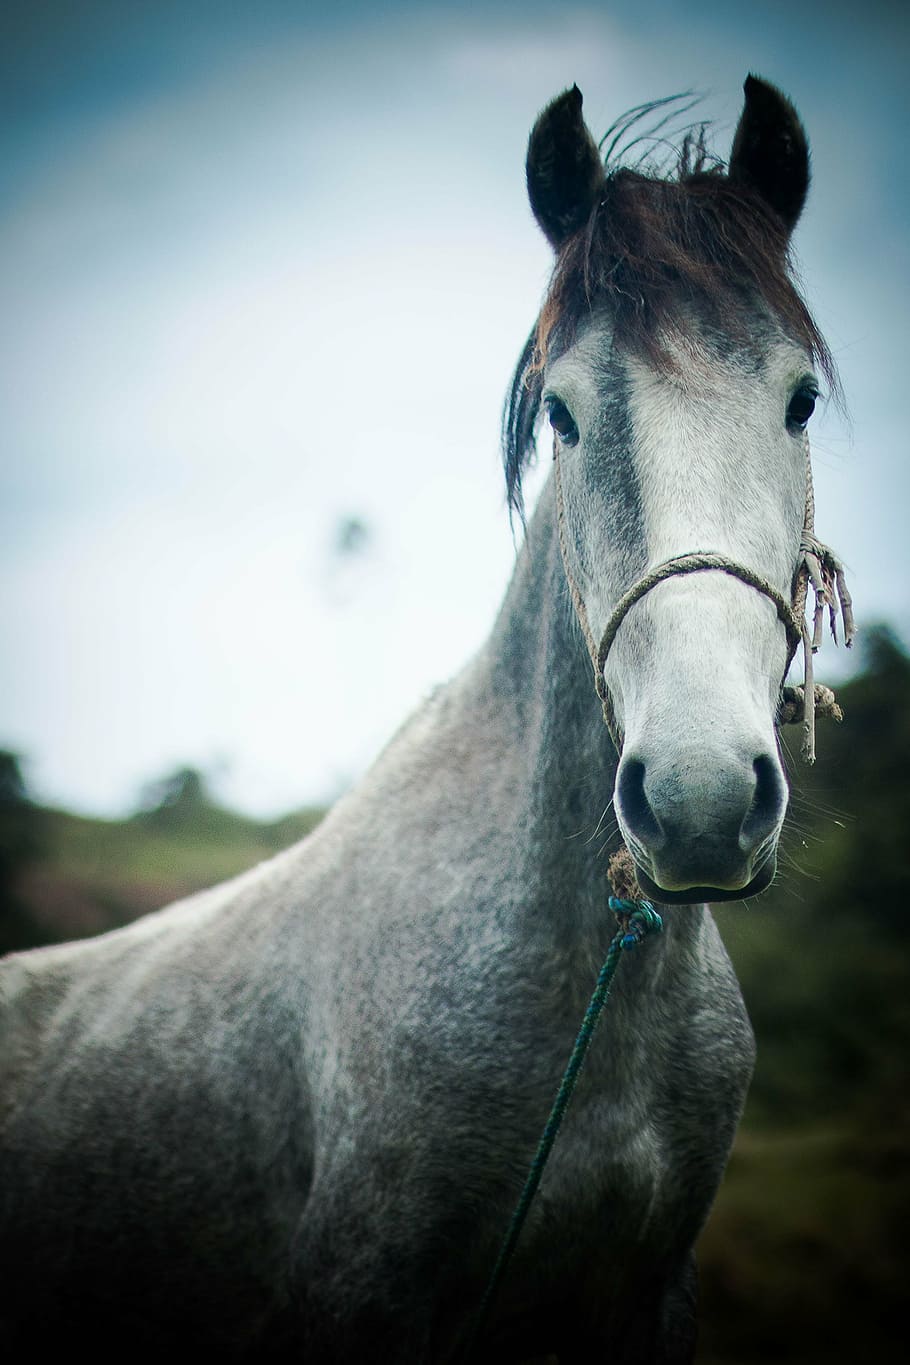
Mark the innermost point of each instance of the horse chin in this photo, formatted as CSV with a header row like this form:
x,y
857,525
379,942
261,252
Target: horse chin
x,y
696,895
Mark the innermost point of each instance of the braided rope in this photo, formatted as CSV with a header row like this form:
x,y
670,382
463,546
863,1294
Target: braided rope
x,y
695,561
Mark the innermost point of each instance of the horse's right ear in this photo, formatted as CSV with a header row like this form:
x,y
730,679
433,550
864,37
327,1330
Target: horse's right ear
x,y
771,151
564,169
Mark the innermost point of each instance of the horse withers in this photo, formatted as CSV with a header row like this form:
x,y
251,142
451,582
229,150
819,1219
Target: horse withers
x,y
287,1119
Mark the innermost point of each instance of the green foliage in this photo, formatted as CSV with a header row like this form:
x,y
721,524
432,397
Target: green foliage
x,y
176,799
822,958
21,825
803,1259
93,875
23,839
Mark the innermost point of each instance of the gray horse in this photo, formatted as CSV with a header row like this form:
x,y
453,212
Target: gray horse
x,y
287,1119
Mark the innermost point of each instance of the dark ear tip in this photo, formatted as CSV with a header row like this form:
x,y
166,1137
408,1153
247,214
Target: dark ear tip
x,y
762,94
570,101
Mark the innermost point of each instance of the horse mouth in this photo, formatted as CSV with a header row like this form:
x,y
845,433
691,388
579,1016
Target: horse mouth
x,y
696,895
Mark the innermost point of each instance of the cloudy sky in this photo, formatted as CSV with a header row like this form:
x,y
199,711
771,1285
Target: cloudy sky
x,y
264,271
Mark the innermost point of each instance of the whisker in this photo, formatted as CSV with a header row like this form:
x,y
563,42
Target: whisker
x,y
599,826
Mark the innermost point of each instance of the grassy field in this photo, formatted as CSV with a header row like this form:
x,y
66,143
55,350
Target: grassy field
x,y
95,875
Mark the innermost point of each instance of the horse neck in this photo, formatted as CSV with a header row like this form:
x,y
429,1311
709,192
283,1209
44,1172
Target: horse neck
x,y
538,679
539,675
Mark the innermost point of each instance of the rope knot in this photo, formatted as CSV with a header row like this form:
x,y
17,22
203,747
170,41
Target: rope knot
x,y
635,915
793,704
636,919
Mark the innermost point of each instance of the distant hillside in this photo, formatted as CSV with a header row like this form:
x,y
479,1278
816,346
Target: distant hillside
x,y
82,876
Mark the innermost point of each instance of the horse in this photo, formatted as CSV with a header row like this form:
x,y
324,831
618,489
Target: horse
x,y
287,1118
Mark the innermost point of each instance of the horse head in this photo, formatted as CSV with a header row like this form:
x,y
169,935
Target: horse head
x,y
678,367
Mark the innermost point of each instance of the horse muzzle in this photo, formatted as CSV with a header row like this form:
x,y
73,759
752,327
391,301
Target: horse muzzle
x,y
701,828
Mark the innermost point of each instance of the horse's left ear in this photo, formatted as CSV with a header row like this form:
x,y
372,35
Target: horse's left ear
x,y
771,151
564,169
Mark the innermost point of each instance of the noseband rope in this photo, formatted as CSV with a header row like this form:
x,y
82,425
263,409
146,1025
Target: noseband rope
x,y
817,565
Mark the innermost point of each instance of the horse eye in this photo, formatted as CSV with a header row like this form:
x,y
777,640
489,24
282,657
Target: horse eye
x,y
561,422
801,407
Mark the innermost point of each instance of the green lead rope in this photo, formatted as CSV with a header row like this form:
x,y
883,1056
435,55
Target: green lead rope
x,y
636,919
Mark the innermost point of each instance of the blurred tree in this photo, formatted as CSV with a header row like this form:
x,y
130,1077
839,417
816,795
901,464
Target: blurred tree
x,y
352,537
804,1259
175,799
23,841
821,956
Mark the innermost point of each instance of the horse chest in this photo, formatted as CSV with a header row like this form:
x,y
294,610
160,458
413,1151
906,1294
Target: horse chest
x,y
624,1177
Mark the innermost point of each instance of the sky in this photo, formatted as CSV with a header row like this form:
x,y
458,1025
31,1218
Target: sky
x,y
265,269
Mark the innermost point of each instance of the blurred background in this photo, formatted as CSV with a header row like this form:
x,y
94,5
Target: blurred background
x,y
264,273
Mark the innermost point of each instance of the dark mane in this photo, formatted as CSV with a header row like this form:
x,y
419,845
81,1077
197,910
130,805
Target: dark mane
x,y
654,248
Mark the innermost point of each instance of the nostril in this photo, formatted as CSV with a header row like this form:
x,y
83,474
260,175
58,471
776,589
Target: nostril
x,y
633,803
769,800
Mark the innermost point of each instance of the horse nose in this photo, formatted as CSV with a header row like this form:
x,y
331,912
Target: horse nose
x,y
769,802
700,821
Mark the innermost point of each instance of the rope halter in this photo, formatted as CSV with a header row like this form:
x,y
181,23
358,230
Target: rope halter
x,y
817,566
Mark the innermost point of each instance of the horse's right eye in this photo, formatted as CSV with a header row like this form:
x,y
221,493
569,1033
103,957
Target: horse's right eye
x,y
801,407
562,422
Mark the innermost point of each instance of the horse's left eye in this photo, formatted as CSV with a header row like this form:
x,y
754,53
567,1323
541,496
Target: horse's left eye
x,y
562,422
801,407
